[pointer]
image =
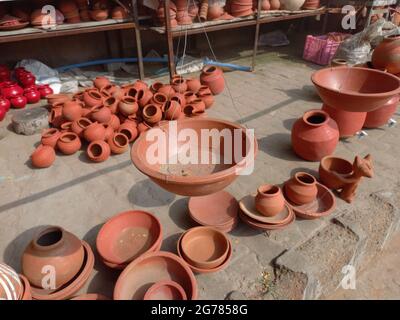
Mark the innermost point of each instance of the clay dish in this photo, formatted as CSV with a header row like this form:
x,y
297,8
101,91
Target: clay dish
x,y
73,286
150,268
165,290
90,296
355,89
247,205
324,204
128,235
204,247
332,169
264,226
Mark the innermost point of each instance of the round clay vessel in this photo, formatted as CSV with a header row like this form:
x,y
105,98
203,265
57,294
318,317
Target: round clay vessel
x,y
193,85
301,189
180,98
95,131
69,143
382,115
291,5
118,143
26,295
66,126
55,117
114,122
386,55
152,114
143,126
55,247
80,125
172,110
140,85
204,89
189,97
129,129
165,290
144,97
11,287
269,200
315,135
50,137
208,100
128,105
168,90
72,110
109,131
332,169
213,77
98,151
100,114
101,82
92,98
156,86
43,157
339,62
57,98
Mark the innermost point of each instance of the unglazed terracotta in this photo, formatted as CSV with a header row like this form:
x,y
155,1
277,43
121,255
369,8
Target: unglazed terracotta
x,y
168,90
172,110
90,296
11,286
94,131
301,188
269,200
69,143
128,105
50,137
382,115
189,96
43,157
100,114
213,77
291,5
165,290
208,100
386,55
80,125
152,114
333,169
179,84
159,99
66,126
156,86
26,295
150,268
55,98
144,97
266,226
56,247
55,117
118,143
315,135
98,151
130,130
72,110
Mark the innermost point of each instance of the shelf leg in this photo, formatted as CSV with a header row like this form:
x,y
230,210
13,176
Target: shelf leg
x,y
257,34
138,39
170,40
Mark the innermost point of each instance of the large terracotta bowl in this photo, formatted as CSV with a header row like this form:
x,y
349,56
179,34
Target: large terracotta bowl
x,y
355,89
191,179
150,268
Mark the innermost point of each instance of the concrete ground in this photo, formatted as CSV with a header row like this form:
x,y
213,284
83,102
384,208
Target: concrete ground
x,y
302,261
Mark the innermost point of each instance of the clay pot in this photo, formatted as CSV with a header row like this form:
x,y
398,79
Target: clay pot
x,y
198,105
109,131
179,84
118,93
112,104
165,290
26,295
98,15
57,98
159,99
203,90
311,4
152,114
265,5
381,116
143,126
78,126
72,110
144,97
43,156
180,98
315,135
301,189
92,98
11,287
275,4
95,131
119,13
129,130
128,105
90,296
193,85
214,12
5,104
101,82
208,100
84,15
269,200
50,137
338,63
69,143
333,171
118,143
55,117
54,247
212,77
156,86
66,126
98,151
168,90
292,5
349,123
114,122
386,55
100,114
172,110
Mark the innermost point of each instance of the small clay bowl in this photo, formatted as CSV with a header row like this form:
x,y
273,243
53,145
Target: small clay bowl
x,y
204,247
90,296
165,290
127,235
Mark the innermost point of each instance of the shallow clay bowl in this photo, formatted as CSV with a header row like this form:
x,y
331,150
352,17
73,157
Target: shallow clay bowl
x,y
71,287
324,204
331,169
150,268
204,247
165,290
90,296
195,269
191,179
128,235
265,226
355,89
26,295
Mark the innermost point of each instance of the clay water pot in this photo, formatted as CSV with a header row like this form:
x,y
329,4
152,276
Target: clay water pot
x,y
156,86
193,85
118,143
18,102
129,130
84,15
179,85
165,290
269,200
11,286
128,105
94,131
204,90
180,98
265,5
152,114
43,156
315,135
78,126
349,123
311,4
69,143
55,247
213,77
45,91
5,104
101,82
189,97
92,98
114,122
332,171
109,131
57,98
55,117
208,100
112,104
214,12
140,85
172,110
98,15
50,137
66,126
198,104
168,90
72,110
301,189
98,151
144,97
381,116
386,55
100,114
26,295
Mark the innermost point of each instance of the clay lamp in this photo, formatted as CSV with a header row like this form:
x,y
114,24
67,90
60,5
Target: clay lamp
x,y
165,290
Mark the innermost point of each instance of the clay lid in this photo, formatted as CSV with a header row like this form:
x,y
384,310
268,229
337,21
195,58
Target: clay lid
x,y
265,226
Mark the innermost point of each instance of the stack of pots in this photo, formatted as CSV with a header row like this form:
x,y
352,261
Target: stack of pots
x,y
83,10
241,8
38,18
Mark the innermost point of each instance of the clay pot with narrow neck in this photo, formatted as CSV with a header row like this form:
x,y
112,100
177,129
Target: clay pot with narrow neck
x,y
98,151
92,98
208,100
265,5
128,105
156,86
118,143
69,143
152,114
130,130
101,82
180,98
43,156
198,104
72,110
78,126
53,247
179,84
172,110
112,104
386,55
55,117
50,137
114,122
95,131
213,77
159,99
143,127
301,189
66,126
269,200
315,135
109,131
381,116
339,63
140,85
100,114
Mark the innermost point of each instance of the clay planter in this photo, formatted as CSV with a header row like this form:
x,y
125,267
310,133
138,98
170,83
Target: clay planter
x,y
128,235
213,77
156,86
92,98
386,55
94,131
165,290
269,200
168,90
56,247
98,15
55,117
179,84
128,105
18,102
90,296
69,143
72,110
80,125
208,100
150,268
100,114
144,97
381,116
129,130
50,137
204,247
198,105
315,135
57,98
101,82
332,170
98,151
11,287
172,110
112,104
43,156
152,114
114,122
301,189
118,143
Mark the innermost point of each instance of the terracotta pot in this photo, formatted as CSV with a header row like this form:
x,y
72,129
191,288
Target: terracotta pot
x,y
189,97
144,97
381,116
180,98
101,82
339,63
98,151
32,96
311,4
269,200
119,13
57,98
100,114
98,15
11,287
172,110
208,100
114,122
143,126
55,117
198,104
55,247
213,77
92,98
168,90
179,85
275,4
72,110
159,99
265,5
129,130
118,93
50,137
165,290
85,15
112,104
386,55
203,90
109,131
193,85
332,171
152,114
95,131
78,126
156,86
349,123
291,5
315,135
66,126
69,143
301,189
128,105
118,143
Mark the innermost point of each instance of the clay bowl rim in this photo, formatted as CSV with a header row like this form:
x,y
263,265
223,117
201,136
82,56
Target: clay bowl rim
x,y
165,283
265,227
100,236
325,168
140,163
158,254
199,231
315,112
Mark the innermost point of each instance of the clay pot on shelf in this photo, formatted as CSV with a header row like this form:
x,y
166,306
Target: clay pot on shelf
x,y
265,5
84,15
156,86
386,55
50,137
315,135
101,82
100,114
269,200
301,189
72,110
78,126
167,90
69,143
165,290
193,85
128,105
213,77
204,89
54,247
98,15
92,98
129,130
152,114
275,4
172,110
179,84
159,99
43,156
94,131
180,98
203,10
381,116
118,143
311,4
291,5
144,97
208,100
98,151
119,13
11,286
55,117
